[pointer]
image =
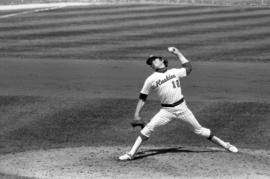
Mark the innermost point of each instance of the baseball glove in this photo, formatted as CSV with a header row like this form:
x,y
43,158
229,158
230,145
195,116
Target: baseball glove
x,y
137,123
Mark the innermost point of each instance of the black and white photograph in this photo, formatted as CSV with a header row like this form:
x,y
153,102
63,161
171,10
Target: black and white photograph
x,y
134,89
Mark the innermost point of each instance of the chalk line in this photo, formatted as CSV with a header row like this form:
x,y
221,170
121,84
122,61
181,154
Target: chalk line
x,y
34,8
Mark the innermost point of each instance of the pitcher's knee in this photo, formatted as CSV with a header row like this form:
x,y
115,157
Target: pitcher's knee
x,y
143,137
147,131
203,132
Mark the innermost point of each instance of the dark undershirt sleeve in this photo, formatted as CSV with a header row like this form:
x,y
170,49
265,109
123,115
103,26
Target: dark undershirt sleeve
x,y
188,67
143,96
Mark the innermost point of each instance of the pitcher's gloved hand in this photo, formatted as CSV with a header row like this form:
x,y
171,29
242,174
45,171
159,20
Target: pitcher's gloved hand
x,y
138,123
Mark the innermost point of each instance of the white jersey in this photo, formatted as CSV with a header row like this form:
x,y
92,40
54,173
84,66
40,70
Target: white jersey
x,y
166,84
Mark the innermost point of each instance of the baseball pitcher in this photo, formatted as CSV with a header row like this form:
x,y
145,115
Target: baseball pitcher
x,y
166,82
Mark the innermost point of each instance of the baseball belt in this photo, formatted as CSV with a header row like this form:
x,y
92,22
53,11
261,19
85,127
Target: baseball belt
x,y
174,104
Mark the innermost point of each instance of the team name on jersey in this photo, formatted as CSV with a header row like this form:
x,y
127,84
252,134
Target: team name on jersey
x,y
168,77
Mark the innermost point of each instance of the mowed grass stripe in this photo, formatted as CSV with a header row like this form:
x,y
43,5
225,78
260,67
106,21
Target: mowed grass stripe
x,y
263,57
105,12
200,49
134,54
186,31
196,48
108,9
137,30
245,32
123,17
262,35
118,18
82,20
122,25
205,48
87,19
199,46
239,39
100,13
56,14
112,20
187,11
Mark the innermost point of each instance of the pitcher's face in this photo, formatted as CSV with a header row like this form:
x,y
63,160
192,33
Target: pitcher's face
x,y
157,64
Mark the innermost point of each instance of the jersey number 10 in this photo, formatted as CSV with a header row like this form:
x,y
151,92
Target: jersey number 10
x,y
176,84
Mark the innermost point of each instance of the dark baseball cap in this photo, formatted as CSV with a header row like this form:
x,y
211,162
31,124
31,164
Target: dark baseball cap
x,y
152,58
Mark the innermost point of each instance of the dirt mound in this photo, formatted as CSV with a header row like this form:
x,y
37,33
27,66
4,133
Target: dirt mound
x,y
152,162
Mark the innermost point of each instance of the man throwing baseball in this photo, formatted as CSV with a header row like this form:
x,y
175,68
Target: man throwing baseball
x,y
166,83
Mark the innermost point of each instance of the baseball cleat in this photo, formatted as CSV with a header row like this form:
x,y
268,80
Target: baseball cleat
x,y
125,157
231,148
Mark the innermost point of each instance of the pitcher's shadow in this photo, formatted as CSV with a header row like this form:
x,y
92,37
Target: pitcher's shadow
x,y
159,151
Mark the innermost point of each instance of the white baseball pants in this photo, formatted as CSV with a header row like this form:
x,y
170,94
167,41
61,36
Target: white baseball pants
x,y
180,112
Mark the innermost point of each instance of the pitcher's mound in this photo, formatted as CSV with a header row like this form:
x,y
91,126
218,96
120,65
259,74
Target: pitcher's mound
x,y
151,162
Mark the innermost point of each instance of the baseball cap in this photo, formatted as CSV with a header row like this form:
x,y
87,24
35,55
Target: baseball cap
x,y
152,58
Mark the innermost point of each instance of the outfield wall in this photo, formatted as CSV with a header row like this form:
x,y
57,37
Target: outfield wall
x,y
202,2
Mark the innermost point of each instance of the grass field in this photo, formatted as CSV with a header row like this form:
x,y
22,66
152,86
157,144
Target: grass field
x,y
70,78
101,32
35,123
